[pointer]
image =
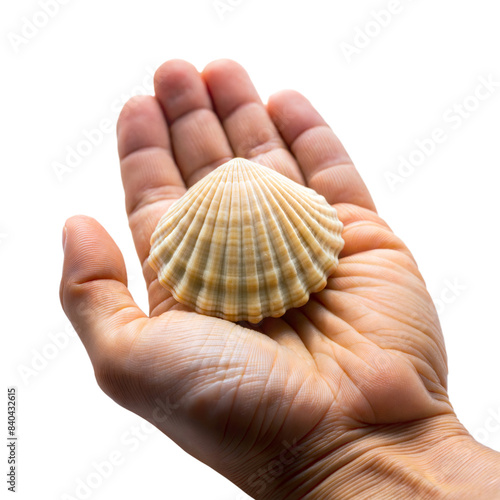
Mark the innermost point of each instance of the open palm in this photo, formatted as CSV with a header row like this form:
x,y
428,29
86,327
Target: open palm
x,y
276,407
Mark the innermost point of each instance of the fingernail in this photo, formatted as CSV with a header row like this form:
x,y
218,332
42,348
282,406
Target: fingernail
x,y
64,234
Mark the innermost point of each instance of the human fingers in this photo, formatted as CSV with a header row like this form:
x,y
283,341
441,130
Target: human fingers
x,y
324,162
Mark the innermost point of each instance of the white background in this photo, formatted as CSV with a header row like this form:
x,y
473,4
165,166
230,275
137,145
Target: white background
x,y
91,56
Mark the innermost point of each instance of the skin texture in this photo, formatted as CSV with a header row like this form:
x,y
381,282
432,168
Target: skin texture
x,y
343,398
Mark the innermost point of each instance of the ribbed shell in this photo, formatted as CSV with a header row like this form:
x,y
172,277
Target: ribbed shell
x,y
246,243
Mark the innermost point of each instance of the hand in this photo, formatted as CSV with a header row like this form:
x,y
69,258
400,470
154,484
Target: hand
x,y
344,397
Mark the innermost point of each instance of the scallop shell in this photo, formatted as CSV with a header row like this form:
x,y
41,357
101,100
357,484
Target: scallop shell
x,y
246,243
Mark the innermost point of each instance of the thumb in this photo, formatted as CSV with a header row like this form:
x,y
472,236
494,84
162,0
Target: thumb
x,y
94,293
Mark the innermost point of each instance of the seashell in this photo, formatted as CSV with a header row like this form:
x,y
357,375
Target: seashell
x,y
246,243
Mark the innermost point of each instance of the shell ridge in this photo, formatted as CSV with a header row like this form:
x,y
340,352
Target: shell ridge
x,y
173,225
164,249
270,294
234,276
321,232
197,273
253,287
326,214
311,234
184,275
177,211
215,276
287,276
299,222
300,265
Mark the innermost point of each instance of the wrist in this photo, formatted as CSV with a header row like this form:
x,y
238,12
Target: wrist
x,y
427,459
434,458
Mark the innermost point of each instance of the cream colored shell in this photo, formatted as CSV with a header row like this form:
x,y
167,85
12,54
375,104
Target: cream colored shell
x,y
246,243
